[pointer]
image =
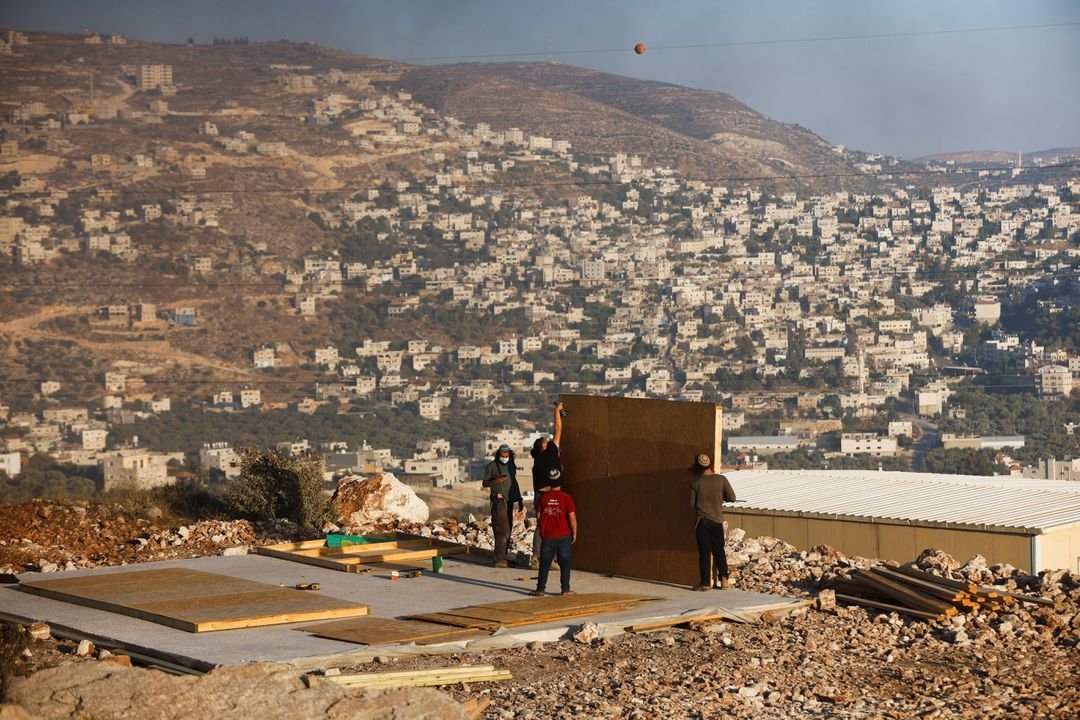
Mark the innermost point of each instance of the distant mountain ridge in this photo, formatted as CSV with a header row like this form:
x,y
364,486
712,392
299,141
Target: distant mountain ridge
x,y
704,134
1002,157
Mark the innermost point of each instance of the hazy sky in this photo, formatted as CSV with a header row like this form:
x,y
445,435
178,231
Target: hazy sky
x,y
1006,89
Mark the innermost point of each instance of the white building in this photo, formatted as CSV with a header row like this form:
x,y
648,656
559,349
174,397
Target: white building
x,y
136,468
220,461
867,443
11,464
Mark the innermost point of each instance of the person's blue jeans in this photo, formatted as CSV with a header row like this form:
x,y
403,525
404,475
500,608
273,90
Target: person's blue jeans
x,y
549,550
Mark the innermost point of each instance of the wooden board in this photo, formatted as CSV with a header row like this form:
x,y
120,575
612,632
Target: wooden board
x,y
385,631
627,463
194,601
514,613
351,558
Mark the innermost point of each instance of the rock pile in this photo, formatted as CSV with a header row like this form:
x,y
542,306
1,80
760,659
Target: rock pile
x,y
49,536
366,503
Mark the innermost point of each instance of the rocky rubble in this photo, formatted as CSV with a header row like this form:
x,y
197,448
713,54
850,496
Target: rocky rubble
x,y
835,661
48,536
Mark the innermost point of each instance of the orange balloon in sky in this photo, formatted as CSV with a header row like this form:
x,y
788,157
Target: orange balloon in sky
x,y
639,48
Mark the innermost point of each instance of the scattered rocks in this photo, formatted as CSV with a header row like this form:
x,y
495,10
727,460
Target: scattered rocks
x,y
39,631
85,648
589,632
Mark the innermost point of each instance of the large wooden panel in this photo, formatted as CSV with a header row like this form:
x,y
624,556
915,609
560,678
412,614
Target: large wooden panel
x,y
384,631
627,462
192,600
530,611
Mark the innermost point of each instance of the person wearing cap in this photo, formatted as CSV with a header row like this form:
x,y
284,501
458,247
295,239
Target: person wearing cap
x,y
500,477
708,493
558,531
545,455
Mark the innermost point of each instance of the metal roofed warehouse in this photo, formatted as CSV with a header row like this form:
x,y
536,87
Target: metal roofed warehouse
x,y
1031,524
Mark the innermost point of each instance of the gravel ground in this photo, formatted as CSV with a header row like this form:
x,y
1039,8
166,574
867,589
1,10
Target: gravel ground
x,y
1021,662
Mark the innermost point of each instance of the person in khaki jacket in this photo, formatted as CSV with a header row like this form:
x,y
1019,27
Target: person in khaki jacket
x,y
708,493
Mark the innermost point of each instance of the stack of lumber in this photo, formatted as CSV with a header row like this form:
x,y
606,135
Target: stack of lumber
x,y
924,595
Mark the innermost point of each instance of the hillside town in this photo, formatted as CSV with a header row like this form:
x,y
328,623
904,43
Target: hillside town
x,y
831,324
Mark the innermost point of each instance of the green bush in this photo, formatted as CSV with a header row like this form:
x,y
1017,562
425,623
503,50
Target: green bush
x,y
272,485
13,641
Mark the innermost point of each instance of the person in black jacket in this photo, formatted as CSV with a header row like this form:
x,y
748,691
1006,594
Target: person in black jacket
x,y
500,477
708,493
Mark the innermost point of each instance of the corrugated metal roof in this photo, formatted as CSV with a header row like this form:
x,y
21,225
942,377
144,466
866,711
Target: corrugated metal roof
x,y
972,501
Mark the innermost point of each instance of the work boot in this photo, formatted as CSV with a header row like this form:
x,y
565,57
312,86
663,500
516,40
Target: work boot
x,y
534,563
502,564
725,583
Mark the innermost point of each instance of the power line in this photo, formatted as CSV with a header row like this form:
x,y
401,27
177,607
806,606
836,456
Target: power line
x,y
744,43
249,383
580,182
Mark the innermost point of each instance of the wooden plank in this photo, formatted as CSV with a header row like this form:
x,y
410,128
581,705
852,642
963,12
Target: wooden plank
x,y
422,678
194,601
559,602
973,588
475,707
362,548
933,589
294,546
851,599
1034,599
456,621
907,595
675,622
347,558
930,577
316,561
385,631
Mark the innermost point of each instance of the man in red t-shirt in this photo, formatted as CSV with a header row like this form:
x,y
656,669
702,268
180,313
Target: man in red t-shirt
x,y
558,531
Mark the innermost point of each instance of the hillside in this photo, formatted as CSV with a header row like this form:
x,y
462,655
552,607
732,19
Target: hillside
x,y
702,133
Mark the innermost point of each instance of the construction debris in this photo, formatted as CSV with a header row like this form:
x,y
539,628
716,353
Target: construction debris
x,y
924,595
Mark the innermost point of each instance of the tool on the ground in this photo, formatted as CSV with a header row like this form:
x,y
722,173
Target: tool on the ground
x,y
395,574
307,586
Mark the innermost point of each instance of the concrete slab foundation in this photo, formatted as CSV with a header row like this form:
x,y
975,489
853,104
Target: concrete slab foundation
x,y
462,583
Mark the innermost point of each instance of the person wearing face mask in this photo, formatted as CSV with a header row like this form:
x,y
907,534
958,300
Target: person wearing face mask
x,y
500,478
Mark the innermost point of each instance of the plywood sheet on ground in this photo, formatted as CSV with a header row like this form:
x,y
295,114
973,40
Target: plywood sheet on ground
x,y
386,631
514,613
626,462
192,600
